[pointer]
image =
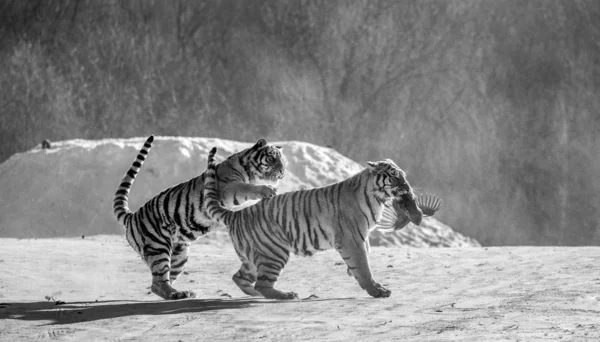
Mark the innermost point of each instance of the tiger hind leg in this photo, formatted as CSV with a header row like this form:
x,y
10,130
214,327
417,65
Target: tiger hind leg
x,y
268,273
159,262
245,279
179,257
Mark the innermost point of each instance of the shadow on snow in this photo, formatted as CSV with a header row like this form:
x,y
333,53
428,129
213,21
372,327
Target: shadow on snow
x,y
77,312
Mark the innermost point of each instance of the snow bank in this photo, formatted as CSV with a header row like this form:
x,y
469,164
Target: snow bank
x,y
68,190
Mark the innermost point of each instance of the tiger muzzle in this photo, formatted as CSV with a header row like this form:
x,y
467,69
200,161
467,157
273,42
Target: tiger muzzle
x,y
276,175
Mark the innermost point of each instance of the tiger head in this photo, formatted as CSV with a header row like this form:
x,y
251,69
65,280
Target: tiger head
x,y
264,162
389,183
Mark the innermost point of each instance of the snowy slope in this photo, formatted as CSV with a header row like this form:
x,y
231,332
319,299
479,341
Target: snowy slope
x,y
68,190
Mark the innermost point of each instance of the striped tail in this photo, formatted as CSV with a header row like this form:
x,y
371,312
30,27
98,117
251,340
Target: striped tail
x,y
120,204
212,206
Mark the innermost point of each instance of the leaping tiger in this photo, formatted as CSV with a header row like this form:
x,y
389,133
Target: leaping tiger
x,y
339,216
162,229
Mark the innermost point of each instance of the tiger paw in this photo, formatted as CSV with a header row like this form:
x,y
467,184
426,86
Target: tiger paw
x,y
165,291
182,295
289,295
267,191
271,293
378,291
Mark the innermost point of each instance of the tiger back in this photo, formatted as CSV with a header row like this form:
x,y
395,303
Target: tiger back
x,y
339,216
163,228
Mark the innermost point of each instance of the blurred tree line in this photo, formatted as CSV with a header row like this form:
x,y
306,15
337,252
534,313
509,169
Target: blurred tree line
x,y
492,104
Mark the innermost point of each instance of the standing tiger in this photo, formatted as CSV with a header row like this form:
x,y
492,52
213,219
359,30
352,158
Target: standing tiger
x,y
339,216
162,229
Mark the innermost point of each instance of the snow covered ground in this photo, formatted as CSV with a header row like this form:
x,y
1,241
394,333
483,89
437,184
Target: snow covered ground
x,y
98,290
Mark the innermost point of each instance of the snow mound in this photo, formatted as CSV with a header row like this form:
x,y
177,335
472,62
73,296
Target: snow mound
x,y
68,190
431,233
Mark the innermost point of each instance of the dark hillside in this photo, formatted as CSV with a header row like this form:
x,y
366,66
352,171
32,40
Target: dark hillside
x,y
493,105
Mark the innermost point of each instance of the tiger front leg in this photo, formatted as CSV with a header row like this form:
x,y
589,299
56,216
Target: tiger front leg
x,y
159,262
368,248
355,256
268,273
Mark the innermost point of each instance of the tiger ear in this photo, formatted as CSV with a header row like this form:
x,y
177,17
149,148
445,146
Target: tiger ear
x,y
260,143
372,165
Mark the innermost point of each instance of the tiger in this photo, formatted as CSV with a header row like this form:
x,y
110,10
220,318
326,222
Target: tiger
x,y
162,229
339,215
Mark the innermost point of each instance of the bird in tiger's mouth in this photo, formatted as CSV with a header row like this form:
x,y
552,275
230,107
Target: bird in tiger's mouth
x,y
406,202
408,208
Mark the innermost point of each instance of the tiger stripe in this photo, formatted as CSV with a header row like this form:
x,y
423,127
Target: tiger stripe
x,y
120,202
